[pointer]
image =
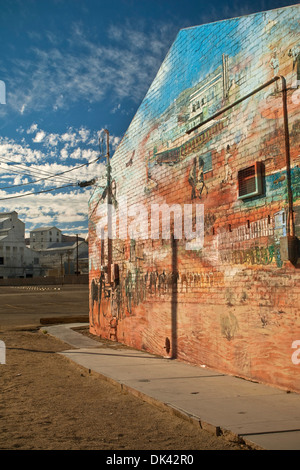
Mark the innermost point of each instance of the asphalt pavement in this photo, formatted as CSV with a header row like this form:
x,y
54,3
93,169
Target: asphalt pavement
x,y
261,416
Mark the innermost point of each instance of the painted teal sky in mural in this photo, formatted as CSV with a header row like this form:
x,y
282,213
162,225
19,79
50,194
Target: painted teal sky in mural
x,y
213,40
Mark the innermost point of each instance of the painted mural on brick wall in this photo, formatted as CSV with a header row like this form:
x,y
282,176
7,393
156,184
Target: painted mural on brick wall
x,y
211,130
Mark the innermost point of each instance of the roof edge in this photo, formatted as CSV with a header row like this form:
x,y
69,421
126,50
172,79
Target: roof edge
x,y
242,16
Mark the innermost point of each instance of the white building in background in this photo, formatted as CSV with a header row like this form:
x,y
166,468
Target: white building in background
x,y
16,259
50,253
41,238
64,258
59,254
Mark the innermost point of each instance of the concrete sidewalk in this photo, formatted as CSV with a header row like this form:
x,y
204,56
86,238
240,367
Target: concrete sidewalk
x,y
263,417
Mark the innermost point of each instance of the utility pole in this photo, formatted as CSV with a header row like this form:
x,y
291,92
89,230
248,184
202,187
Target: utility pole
x,y
77,272
61,268
109,211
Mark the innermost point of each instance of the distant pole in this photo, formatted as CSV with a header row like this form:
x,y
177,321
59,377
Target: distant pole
x,y
77,272
61,268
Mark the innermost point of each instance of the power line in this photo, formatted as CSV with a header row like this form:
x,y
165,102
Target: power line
x,y
31,182
33,171
82,184
20,164
39,171
37,192
55,175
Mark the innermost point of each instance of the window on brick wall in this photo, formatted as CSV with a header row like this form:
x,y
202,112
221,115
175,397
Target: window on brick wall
x,y
250,181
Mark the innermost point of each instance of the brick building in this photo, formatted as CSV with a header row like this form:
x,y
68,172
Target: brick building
x,y
218,129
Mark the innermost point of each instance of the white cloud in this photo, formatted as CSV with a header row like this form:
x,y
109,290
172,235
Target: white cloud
x,y
64,153
76,154
69,137
115,142
89,154
32,128
84,134
52,139
40,135
49,208
116,108
12,151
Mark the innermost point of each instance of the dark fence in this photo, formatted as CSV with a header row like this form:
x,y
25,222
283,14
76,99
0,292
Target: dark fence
x,y
46,281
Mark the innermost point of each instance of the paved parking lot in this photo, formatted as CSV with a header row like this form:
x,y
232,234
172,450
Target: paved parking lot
x,y
29,305
49,402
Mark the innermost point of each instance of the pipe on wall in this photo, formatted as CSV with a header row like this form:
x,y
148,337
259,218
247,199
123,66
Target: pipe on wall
x,y
291,224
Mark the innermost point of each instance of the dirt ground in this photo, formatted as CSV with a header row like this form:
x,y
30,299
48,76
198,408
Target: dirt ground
x,y
48,402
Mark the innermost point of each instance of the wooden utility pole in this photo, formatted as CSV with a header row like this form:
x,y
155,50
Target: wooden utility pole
x,y
109,211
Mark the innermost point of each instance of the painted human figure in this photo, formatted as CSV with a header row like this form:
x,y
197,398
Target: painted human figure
x,y
153,279
162,281
128,290
274,63
295,54
196,177
228,171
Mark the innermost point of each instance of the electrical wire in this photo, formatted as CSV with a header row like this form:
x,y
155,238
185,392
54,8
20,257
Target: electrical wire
x,y
58,174
37,192
53,176
16,172
34,172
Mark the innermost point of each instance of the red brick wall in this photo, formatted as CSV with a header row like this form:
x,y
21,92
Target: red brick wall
x,y
234,304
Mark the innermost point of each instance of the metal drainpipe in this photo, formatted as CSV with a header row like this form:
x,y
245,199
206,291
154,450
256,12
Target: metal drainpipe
x,y
291,222
290,225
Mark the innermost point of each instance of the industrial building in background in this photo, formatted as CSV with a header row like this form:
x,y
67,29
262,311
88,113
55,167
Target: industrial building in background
x,y
218,129
48,252
59,254
16,259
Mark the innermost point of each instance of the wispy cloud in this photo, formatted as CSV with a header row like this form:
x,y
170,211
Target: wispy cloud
x,y
86,70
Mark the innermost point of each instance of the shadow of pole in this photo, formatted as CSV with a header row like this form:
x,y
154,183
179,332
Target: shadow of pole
x,y
174,302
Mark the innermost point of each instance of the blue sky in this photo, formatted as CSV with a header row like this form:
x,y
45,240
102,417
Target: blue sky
x,y
71,69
